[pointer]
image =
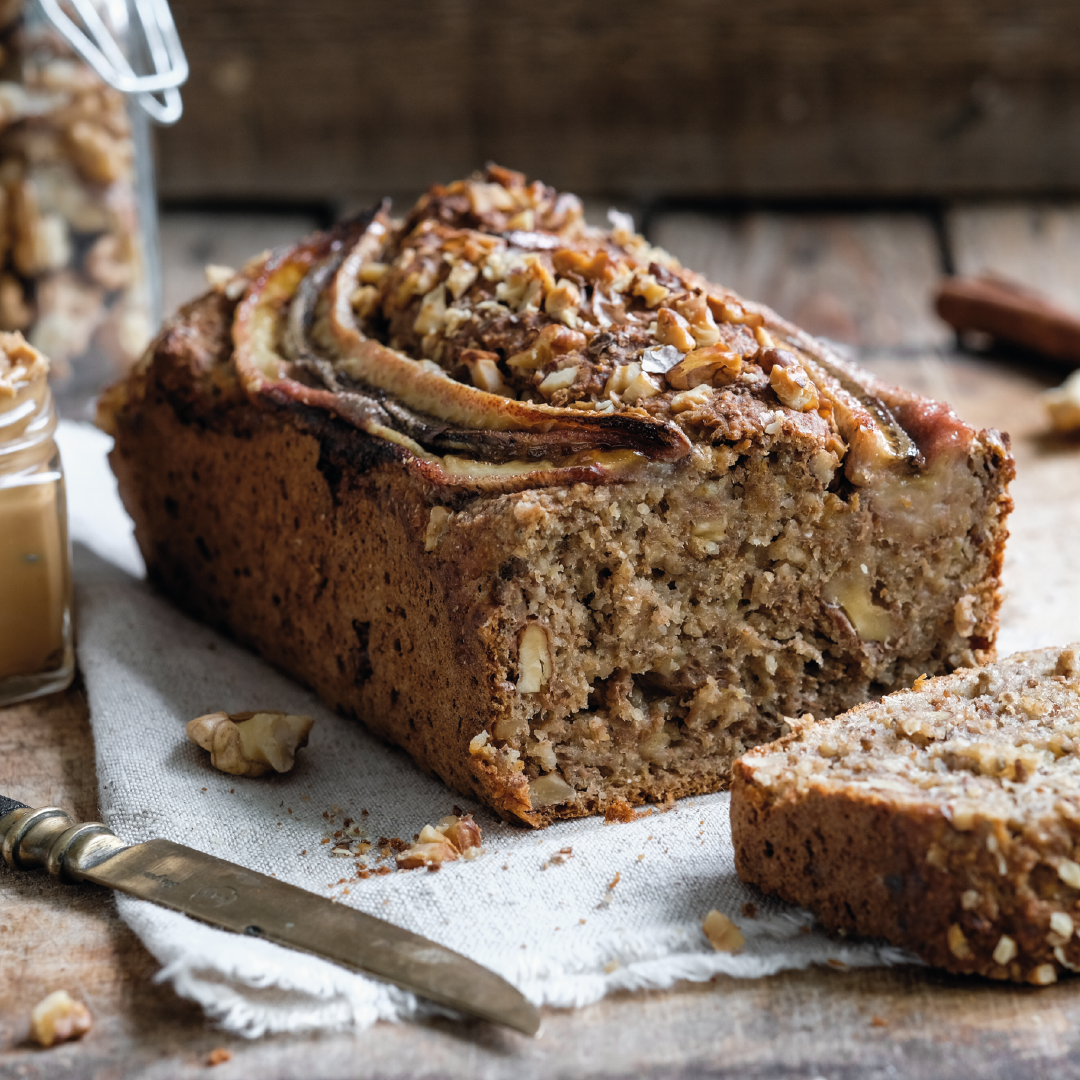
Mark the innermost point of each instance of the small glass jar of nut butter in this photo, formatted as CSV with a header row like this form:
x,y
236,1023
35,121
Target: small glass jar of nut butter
x,y
36,653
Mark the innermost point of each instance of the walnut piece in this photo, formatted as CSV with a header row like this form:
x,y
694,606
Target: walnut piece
x,y
57,1018
958,944
534,660
251,743
15,312
673,329
1063,404
549,789
723,934
712,364
20,364
453,838
793,387
1005,950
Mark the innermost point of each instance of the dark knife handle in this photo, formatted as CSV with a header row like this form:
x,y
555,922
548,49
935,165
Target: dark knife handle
x,y
7,805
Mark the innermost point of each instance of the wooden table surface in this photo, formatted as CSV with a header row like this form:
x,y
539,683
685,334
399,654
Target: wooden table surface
x,y
862,278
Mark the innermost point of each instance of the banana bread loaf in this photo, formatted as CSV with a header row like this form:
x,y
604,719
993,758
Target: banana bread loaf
x,y
945,818
564,520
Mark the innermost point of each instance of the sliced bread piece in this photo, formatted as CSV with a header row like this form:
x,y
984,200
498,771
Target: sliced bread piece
x,y
945,818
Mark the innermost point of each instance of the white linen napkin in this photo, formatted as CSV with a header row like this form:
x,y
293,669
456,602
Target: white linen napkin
x,y
567,914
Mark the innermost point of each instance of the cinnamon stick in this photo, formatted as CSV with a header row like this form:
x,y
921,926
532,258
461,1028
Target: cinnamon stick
x,y
1009,312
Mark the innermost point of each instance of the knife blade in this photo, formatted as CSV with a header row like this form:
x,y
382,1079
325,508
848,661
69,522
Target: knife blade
x,y
246,902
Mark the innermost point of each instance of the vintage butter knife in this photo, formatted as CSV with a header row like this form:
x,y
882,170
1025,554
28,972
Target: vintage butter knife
x,y
227,895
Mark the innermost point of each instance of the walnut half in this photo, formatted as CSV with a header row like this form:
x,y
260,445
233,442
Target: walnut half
x,y
251,743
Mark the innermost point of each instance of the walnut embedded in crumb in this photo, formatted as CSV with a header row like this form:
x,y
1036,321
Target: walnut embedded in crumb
x,y
436,526
1043,975
57,1018
534,660
456,836
251,743
964,615
1005,950
723,934
1069,872
958,944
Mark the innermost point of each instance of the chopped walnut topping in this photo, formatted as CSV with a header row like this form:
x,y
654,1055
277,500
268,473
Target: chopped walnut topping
x,y
642,386
371,273
699,318
793,387
714,365
554,340
563,301
560,380
673,329
364,300
461,278
650,290
501,284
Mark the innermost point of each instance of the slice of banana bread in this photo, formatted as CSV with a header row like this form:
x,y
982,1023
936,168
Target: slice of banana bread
x,y
567,522
945,818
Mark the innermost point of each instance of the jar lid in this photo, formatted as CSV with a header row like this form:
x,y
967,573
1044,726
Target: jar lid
x,y
96,43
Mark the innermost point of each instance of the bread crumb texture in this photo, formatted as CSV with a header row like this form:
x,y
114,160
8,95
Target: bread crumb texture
x,y
945,818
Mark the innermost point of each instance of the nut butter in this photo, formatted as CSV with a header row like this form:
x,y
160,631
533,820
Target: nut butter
x,y
36,654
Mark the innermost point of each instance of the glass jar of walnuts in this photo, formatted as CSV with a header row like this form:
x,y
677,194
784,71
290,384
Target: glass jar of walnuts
x,y
79,271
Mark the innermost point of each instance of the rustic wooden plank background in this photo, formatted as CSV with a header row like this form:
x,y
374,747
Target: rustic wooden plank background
x,y
825,271
810,1024
697,98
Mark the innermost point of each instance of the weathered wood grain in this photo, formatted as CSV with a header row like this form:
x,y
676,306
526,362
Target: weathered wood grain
x,y
862,279
692,97
1036,244
191,240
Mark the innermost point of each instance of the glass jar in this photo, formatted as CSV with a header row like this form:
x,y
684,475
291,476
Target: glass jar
x,y
36,653
79,272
